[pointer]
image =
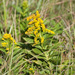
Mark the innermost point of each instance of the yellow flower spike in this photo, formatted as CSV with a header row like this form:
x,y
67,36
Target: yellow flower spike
x,y
38,28
4,44
49,31
35,40
42,39
33,16
35,32
30,29
36,25
46,30
7,48
30,17
33,27
38,15
43,27
52,32
31,22
37,12
40,20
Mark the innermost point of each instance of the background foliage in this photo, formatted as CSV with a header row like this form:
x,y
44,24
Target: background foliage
x,y
58,58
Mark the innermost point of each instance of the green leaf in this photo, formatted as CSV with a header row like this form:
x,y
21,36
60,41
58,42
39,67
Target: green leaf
x,y
37,51
1,61
37,62
41,57
18,9
28,40
3,50
37,46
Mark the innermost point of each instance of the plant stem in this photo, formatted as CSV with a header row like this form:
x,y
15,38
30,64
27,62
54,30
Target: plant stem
x,y
5,21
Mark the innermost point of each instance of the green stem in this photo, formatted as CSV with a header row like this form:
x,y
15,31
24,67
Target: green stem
x,y
11,56
5,21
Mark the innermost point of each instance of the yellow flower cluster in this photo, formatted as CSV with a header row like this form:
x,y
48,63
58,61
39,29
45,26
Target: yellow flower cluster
x,y
8,36
5,44
37,27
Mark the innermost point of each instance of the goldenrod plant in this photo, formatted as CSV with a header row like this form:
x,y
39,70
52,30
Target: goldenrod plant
x,y
11,54
7,42
41,39
37,28
37,37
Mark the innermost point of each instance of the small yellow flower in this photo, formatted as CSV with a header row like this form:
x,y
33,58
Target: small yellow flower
x,y
35,32
7,48
49,31
37,12
52,32
36,41
43,27
17,47
14,42
40,20
36,25
3,39
38,15
33,16
31,69
38,28
11,38
31,22
42,39
4,44
28,18
26,32
34,20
